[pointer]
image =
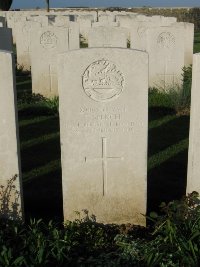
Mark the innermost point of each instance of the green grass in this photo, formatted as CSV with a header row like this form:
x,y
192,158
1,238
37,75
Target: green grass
x,y
197,42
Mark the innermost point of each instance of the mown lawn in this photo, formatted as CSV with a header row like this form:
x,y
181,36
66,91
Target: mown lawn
x,y
197,42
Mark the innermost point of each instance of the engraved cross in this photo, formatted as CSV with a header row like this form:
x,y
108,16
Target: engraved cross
x,y
167,74
51,76
104,159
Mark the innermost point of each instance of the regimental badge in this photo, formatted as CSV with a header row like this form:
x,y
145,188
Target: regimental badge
x,y
102,81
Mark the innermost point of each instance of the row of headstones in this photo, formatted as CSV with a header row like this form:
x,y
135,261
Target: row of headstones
x,y
103,129
169,51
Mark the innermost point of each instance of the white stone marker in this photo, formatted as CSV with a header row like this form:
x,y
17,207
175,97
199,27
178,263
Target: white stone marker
x,y
193,176
6,39
188,41
46,43
107,37
103,96
9,143
106,18
73,31
85,23
23,43
165,46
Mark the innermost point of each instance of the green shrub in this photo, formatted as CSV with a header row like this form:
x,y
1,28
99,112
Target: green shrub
x,y
172,241
31,103
176,236
176,97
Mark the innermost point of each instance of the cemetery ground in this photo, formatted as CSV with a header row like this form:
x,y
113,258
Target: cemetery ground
x,y
171,240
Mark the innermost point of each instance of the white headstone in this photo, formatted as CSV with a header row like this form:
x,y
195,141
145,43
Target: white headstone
x,y
188,29
165,46
85,24
9,142
107,37
23,43
103,107
105,24
106,18
73,29
193,181
46,43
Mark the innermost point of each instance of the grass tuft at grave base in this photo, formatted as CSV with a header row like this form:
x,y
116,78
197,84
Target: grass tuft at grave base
x,y
172,240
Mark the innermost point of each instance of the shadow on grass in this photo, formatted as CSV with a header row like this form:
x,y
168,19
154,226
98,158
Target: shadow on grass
x,y
23,83
167,157
39,128
43,197
40,154
156,113
41,167
167,181
167,134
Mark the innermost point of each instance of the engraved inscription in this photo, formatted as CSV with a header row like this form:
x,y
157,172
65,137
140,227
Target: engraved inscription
x,y
103,120
104,159
102,81
166,40
48,40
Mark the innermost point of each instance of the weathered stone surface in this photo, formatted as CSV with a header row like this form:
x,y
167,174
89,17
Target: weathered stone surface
x,y
103,106
85,24
193,176
107,37
23,42
73,29
46,43
165,46
9,143
188,29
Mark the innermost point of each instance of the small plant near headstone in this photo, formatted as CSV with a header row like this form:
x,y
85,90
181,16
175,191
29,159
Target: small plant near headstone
x,y
175,97
20,71
39,103
83,42
172,240
9,200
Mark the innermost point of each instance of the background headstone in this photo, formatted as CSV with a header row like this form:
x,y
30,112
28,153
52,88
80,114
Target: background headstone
x,y
107,37
165,46
23,43
9,145
46,43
